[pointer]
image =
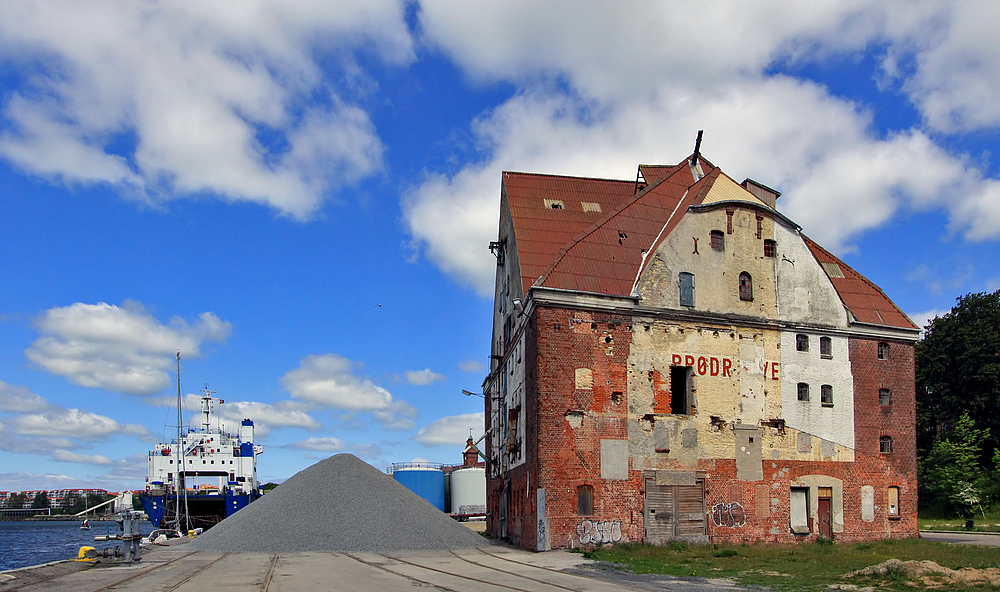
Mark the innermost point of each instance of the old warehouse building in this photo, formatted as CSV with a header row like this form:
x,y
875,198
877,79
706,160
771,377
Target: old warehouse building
x,y
673,359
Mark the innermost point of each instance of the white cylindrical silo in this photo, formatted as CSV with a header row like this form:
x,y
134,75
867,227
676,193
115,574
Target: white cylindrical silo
x,y
468,491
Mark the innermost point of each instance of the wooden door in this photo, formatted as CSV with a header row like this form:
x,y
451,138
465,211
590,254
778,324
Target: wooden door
x,y
674,512
825,516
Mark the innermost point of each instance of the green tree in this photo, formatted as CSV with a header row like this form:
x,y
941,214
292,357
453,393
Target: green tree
x,y
16,501
950,474
41,500
958,370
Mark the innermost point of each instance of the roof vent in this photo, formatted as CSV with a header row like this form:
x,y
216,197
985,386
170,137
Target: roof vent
x,y
591,206
554,204
832,269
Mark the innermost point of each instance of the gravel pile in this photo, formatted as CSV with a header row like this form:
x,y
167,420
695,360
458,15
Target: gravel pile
x,y
339,504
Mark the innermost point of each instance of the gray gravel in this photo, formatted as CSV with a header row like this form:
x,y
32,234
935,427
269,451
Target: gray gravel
x,y
339,504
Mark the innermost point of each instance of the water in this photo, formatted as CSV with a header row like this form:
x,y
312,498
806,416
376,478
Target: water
x,y
24,543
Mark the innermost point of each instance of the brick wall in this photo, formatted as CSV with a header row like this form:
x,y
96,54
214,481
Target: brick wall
x,y
565,426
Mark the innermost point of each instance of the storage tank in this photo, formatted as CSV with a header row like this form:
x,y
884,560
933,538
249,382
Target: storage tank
x,y
423,479
468,491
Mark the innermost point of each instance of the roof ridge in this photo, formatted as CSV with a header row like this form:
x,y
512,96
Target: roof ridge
x,y
853,271
567,177
662,236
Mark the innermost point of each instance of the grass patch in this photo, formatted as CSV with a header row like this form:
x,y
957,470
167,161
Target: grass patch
x,y
807,566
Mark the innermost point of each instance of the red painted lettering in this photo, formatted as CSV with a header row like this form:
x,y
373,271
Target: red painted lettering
x,y
727,366
765,369
774,371
713,366
702,366
675,359
689,360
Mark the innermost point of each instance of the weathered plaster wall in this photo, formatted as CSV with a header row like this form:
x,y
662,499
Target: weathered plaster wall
x,y
689,249
834,424
804,291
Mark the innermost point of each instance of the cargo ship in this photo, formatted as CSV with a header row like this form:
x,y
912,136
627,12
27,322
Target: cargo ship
x,y
203,476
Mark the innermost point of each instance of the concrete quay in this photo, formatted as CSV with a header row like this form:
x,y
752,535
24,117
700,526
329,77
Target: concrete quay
x,y
489,569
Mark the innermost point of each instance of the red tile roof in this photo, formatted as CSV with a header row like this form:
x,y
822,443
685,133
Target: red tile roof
x,y
599,248
865,300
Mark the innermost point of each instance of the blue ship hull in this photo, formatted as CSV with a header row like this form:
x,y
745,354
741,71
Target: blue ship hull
x,y
204,511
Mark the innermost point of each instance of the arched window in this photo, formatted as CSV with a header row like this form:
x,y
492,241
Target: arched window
x,y
746,286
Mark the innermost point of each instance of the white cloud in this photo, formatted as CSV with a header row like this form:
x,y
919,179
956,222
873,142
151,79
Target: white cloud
x,y
72,423
329,444
921,319
452,430
18,399
471,366
423,377
165,100
265,416
601,91
72,457
329,381
122,349
22,481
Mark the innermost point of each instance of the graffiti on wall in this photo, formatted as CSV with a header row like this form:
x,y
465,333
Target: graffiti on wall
x,y
730,515
599,532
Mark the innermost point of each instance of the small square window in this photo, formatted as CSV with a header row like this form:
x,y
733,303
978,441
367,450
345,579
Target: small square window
x,y
883,350
803,391
801,343
770,248
718,240
885,444
883,397
825,347
826,395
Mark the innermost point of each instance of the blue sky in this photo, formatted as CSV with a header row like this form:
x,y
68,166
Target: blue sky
x,y
299,197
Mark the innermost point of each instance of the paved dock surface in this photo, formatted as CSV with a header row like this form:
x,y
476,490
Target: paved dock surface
x,y
489,569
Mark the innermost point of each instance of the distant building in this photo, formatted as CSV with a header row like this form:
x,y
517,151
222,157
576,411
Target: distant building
x,y
673,359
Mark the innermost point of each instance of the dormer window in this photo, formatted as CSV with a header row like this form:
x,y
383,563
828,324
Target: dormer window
x,y
718,240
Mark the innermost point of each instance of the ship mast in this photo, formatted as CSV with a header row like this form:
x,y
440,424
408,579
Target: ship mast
x,y
179,484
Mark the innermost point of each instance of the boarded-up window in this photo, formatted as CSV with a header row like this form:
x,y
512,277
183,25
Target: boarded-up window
x,y
883,397
686,282
585,500
800,510
893,502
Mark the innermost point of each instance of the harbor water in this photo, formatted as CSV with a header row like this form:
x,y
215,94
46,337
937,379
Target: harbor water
x,y
29,542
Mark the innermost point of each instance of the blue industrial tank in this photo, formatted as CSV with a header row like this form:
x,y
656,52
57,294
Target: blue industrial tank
x,y
423,479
